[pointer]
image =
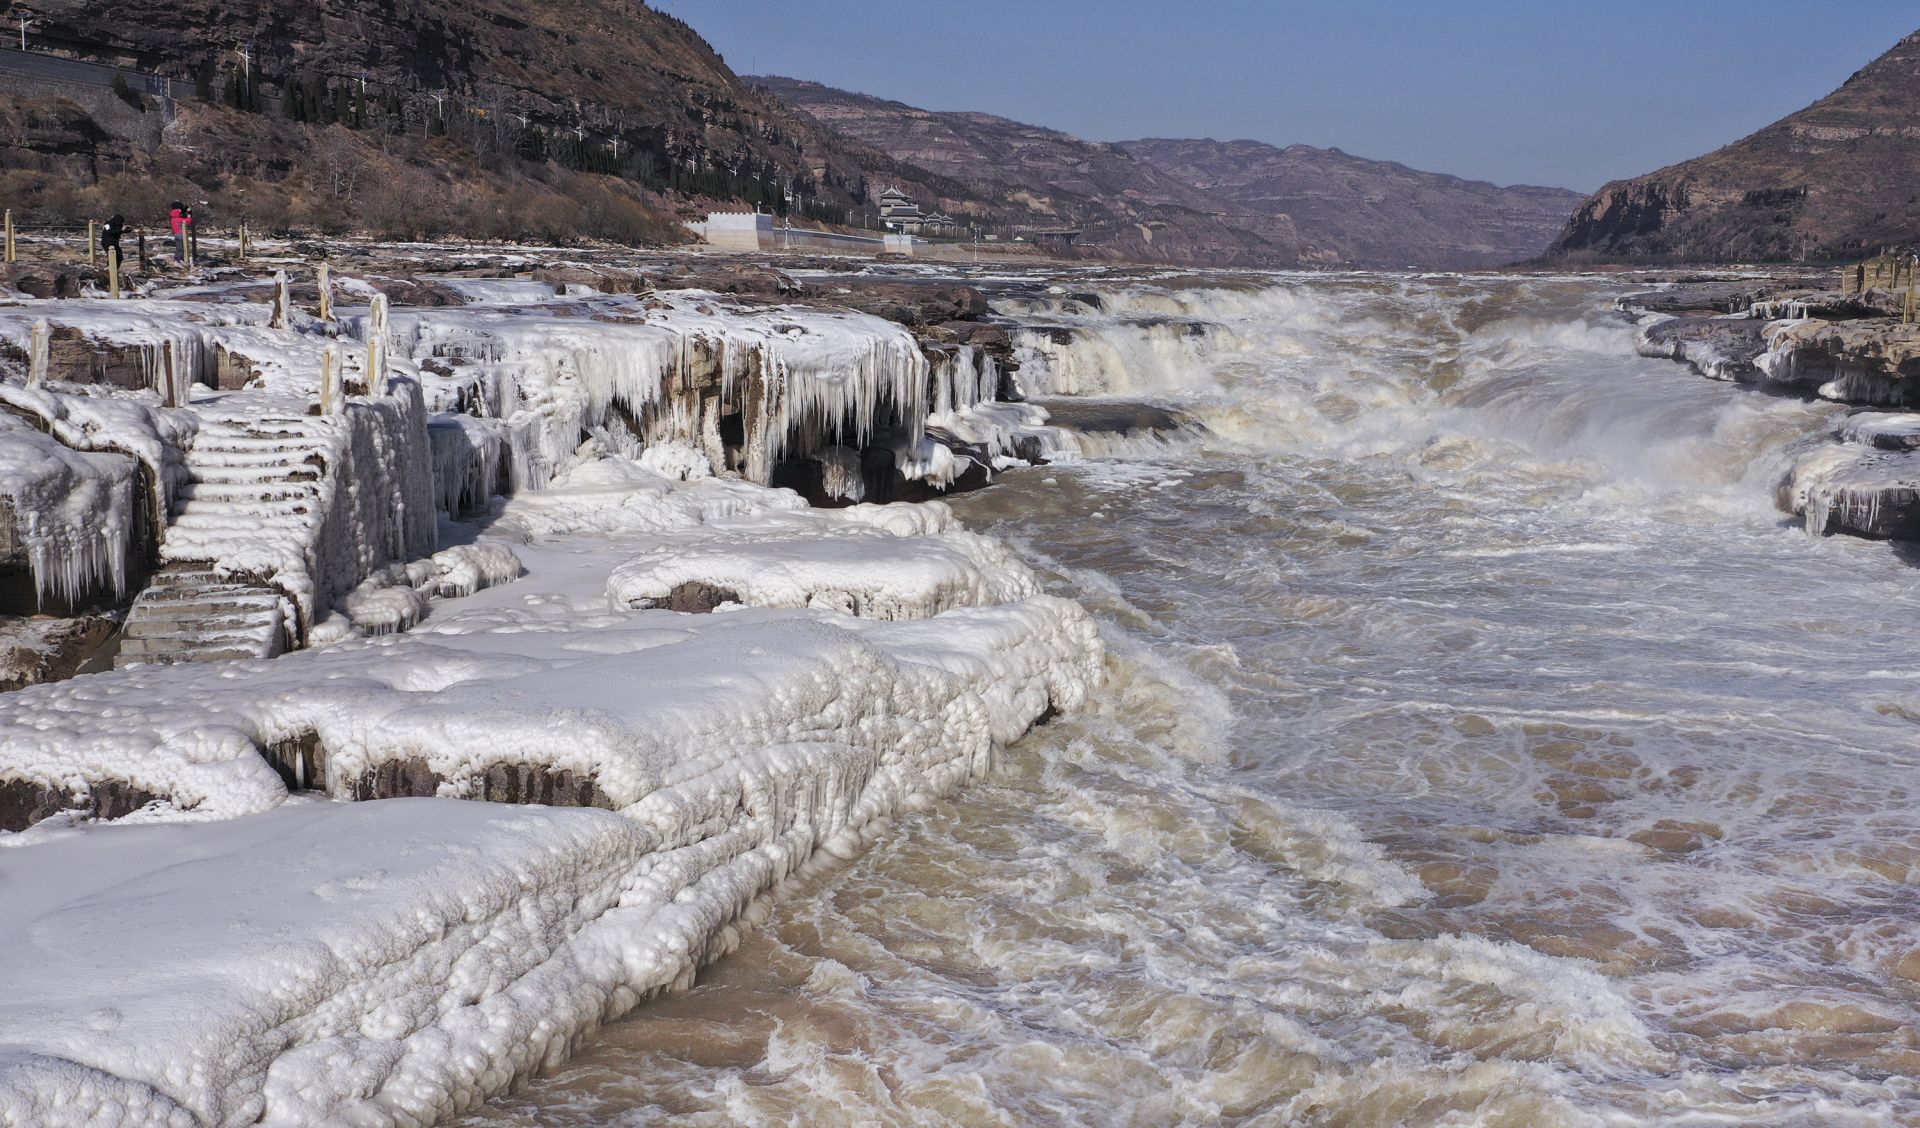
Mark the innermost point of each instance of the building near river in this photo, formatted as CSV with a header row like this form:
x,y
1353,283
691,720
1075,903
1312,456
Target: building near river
x,y
899,212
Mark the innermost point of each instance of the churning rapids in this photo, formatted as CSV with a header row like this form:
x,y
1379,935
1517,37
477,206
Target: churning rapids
x,y
1482,747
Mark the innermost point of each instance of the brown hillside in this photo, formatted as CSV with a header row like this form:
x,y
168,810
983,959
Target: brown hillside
x,y
1836,180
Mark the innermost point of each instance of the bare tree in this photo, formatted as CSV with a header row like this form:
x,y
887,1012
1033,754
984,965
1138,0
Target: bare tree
x,y
341,162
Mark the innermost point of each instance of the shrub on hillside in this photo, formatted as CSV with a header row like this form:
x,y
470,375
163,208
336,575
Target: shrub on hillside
x,y
127,93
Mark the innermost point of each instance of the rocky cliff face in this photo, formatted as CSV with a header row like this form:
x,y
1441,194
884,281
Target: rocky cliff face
x,y
1833,181
1368,213
1025,175
482,109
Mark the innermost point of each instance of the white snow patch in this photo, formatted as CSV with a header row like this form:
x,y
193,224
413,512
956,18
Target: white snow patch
x,y
877,577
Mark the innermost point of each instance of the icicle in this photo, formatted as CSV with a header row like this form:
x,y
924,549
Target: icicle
x,y
840,474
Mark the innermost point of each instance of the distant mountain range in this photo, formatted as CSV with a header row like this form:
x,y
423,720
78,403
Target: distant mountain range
x,y
1026,175
1368,213
1224,203
1837,180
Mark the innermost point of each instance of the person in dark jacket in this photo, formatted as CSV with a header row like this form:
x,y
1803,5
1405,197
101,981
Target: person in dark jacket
x,y
181,219
110,236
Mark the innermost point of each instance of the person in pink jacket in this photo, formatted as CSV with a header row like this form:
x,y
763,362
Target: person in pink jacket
x,y
182,218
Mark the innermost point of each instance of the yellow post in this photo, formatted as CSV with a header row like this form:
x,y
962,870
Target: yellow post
x,y
330,380
113,272
13,255
326,292
169,383
377,346
93,244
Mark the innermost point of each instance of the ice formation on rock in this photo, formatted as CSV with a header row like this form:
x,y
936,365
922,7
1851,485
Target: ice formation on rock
x,y
670,369
424,955
71,512
1867,484
875,577
738,748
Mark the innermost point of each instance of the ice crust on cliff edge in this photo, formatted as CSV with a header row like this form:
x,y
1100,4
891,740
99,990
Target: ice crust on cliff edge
x,y
72,510
423,954
508,386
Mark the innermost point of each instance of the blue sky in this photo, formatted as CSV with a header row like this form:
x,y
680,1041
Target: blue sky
x,y
1540,92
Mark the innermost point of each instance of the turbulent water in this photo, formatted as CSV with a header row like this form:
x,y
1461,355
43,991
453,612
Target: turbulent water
x,y
1482,747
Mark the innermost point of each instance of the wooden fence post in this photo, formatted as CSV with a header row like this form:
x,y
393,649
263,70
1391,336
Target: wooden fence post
x,y
93,244
143,252
326,292
377,347
330,380
38,354
113,271
193,245
246,245
13,253
169,376
281,300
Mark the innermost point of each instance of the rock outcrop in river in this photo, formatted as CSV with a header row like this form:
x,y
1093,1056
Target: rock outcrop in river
x,y
1809,340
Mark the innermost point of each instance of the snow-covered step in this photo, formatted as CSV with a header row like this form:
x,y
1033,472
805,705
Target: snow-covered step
x,y
259,441
164,600
246,492
281,456
167,651
188,614
266,473
203,526
239,514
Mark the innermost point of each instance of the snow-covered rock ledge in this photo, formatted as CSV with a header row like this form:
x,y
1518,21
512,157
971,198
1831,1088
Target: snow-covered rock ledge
x,y
228,955
1866,484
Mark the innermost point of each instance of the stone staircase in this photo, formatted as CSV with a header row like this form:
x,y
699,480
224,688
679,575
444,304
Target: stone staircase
x,y
189,614
250,508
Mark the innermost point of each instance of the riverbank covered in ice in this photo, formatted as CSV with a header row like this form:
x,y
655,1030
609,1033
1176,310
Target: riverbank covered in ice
x,y
228,954
531,556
